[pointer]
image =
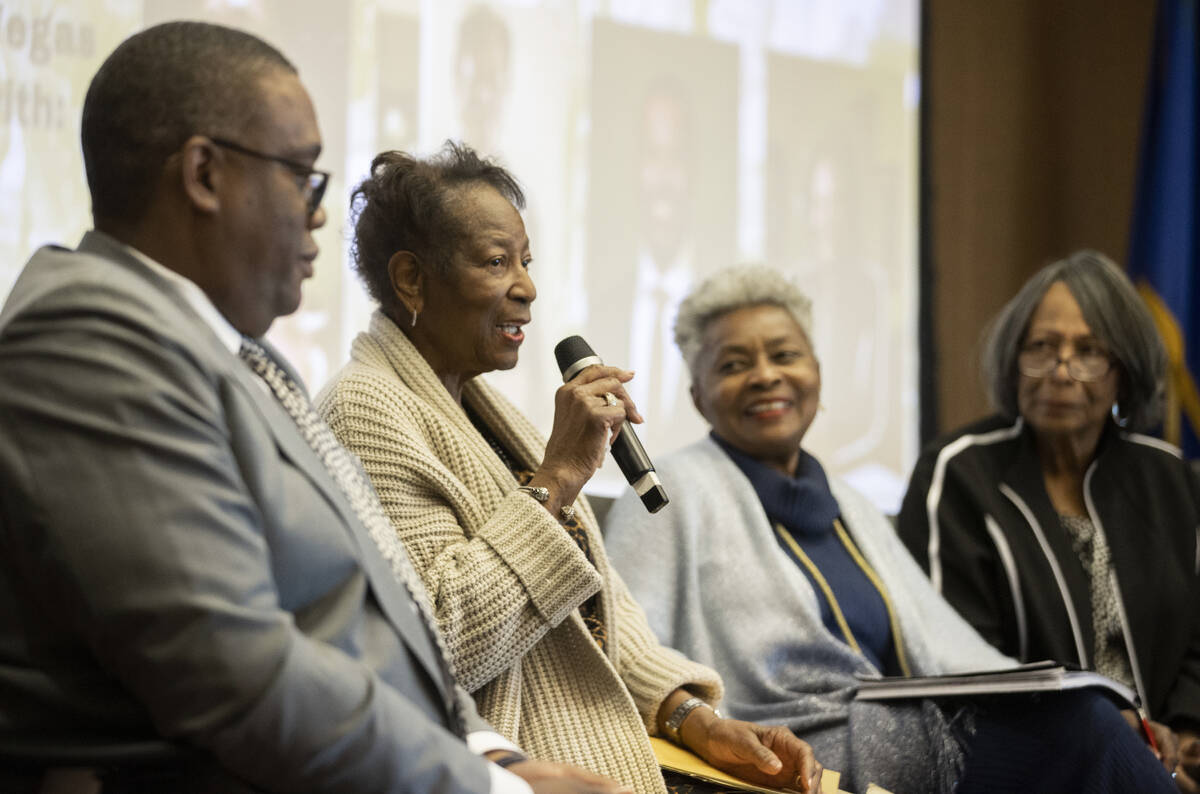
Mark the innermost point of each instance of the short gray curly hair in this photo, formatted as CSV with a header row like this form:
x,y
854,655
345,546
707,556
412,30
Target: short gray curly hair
x,y
732,289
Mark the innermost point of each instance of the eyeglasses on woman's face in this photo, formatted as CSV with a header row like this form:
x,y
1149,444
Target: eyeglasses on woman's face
x,y
1086,360
313,182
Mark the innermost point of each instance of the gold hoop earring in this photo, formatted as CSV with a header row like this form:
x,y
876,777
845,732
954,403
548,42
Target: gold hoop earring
x,y
414,319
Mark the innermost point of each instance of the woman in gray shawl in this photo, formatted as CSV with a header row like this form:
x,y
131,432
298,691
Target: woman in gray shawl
x,y
790,584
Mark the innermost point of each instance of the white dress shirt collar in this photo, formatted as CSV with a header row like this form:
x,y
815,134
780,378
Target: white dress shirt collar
x,y
196,298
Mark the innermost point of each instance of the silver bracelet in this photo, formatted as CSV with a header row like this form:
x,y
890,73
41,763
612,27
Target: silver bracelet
x,y
541,494
675,721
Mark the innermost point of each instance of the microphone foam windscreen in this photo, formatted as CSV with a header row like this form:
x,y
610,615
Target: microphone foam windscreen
x,y
570,350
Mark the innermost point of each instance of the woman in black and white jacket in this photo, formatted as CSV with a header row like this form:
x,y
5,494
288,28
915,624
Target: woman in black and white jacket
x,y
1053,528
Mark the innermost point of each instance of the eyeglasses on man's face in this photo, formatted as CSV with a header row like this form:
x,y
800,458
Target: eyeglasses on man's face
x,y
314,181
1088,361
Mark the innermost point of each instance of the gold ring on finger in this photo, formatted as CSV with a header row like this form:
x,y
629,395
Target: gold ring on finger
x,y
610,399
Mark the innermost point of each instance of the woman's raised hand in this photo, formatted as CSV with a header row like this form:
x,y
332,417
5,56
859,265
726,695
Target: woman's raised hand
x,y
588,412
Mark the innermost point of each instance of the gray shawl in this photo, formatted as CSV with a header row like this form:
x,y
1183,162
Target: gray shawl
x,y
715,585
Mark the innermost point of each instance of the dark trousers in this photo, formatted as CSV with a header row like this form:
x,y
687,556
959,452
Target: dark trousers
x,y
1071,742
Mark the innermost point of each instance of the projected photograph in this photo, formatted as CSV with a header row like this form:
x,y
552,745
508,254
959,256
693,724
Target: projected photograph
x,y
314,36
835,211
503,81
662,205
396,75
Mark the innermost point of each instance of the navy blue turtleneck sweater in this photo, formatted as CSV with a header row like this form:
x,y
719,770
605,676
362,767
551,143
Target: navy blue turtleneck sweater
x,y
804,506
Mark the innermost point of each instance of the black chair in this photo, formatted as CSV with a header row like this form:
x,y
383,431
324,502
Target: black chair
x,y
25,751
111,765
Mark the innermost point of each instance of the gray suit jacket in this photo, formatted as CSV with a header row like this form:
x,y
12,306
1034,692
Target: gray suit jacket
x,y
175,561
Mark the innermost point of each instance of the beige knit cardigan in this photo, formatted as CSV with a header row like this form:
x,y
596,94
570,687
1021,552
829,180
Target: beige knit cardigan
x,y
505,578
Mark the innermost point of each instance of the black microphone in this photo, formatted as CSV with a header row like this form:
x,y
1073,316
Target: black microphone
x,y
575,355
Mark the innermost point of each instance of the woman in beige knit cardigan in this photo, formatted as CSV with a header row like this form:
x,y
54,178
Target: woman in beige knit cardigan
x,y
539,628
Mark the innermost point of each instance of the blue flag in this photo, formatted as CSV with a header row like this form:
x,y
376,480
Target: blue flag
x,y
1164,253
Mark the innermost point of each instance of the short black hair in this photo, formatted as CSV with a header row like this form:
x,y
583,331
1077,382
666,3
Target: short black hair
x,y
410,204
158,88
1117,316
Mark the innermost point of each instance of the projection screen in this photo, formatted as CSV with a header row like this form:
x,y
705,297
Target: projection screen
x,y
657,142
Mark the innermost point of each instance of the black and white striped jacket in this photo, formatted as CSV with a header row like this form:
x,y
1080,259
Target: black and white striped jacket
x,y
979,521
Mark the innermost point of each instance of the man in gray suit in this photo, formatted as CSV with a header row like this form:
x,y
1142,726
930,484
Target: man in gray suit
x,y
182,553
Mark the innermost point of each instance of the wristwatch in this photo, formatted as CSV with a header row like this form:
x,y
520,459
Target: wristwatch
x,y
540,493
675,721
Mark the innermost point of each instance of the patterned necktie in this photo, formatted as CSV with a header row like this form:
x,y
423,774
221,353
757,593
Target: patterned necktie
x,y
347,472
